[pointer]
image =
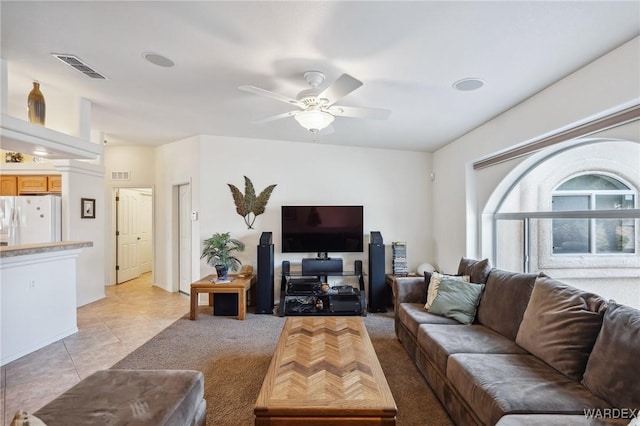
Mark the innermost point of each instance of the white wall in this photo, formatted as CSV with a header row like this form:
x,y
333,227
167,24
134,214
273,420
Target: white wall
x,y
139,161
61,108
84,180
393,186
175,163
605,84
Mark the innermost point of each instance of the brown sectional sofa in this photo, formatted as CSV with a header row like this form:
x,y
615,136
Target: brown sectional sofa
x,y
539,351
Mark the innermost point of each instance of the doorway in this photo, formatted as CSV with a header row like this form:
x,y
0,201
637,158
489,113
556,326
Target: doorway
x,y
133,232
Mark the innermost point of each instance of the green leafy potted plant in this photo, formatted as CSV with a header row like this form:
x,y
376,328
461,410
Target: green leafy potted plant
x,y
219,252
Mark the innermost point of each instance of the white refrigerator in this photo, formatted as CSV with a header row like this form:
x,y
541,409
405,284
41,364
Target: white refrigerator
x,y
30,219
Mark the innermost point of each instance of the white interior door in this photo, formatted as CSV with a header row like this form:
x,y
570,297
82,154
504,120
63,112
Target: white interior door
x,y
128,235
184,238
145,243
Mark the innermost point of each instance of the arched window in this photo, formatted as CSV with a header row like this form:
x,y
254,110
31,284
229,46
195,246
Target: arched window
x,y
594,236
573,214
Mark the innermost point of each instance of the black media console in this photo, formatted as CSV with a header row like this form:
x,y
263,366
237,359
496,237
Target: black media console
x,y
303,293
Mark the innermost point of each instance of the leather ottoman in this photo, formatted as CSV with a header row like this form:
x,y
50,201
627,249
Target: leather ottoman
x,y
131,397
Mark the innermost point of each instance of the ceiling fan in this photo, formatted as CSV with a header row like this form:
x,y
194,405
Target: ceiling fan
x,y
317,108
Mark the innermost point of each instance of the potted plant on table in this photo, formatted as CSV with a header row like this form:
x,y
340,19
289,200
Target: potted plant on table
x,y
219,252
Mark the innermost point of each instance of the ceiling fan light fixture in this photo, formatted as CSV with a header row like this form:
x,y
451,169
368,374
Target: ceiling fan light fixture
x,y
314,120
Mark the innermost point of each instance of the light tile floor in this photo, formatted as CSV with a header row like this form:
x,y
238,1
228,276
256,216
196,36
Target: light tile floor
x,y
109,329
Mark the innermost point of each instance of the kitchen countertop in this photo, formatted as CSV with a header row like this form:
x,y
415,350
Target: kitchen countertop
x,y
25,249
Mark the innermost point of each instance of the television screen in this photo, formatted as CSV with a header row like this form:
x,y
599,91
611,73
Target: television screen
x,y
322,229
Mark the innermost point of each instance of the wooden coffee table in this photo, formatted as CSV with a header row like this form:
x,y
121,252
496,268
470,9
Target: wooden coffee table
x,y
325,372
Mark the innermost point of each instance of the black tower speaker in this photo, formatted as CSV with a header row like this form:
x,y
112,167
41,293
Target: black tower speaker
x,y
377,285
264,285
376,237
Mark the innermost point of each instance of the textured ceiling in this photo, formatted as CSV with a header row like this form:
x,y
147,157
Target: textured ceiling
x,y
408,54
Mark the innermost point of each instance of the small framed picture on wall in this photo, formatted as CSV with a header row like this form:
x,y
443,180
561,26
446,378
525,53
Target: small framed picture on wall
x,y
88,208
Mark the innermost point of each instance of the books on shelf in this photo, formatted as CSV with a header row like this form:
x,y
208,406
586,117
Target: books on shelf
x,y
399,251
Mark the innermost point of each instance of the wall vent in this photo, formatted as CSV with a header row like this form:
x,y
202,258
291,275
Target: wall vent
x,y
77,64
120,176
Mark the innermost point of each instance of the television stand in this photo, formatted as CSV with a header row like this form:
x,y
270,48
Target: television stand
x,y
303,293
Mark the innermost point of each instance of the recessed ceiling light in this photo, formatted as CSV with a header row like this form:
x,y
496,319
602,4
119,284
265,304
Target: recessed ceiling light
x,y
40,152
158,59
468,84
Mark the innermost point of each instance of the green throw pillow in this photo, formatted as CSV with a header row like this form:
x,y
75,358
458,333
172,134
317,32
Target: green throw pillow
x,y
457,300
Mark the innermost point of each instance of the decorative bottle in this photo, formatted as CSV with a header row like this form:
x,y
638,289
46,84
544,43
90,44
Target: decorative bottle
x,y
35,101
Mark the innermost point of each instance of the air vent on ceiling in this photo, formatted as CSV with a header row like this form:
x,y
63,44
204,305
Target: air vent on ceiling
x,y
120,176
76,63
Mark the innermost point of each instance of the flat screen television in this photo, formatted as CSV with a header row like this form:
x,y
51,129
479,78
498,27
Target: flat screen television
x,y
322,229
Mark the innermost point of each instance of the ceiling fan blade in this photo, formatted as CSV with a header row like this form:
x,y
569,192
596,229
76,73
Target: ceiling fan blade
x,y
344,85
272,95
276,117
356,112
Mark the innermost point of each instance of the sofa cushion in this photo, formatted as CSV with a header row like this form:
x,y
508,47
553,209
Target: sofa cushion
x,y
560,325
439,341
499,384
434,285
411,315
409,290
505,298
140,397
478,270
457,300
612,371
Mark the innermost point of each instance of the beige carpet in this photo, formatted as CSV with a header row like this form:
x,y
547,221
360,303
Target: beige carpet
x,y
234,357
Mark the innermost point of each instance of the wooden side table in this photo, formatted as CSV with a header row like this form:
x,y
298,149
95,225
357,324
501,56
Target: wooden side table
x,y
239,286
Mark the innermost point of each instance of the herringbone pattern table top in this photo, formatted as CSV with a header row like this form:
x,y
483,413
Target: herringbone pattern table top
x,y
325,366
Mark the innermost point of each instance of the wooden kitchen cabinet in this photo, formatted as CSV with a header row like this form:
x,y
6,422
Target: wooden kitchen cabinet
x,y
32,184
54,184
8,185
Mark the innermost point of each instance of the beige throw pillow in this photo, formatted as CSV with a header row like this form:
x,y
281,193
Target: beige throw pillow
x,y
434,284
22,418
